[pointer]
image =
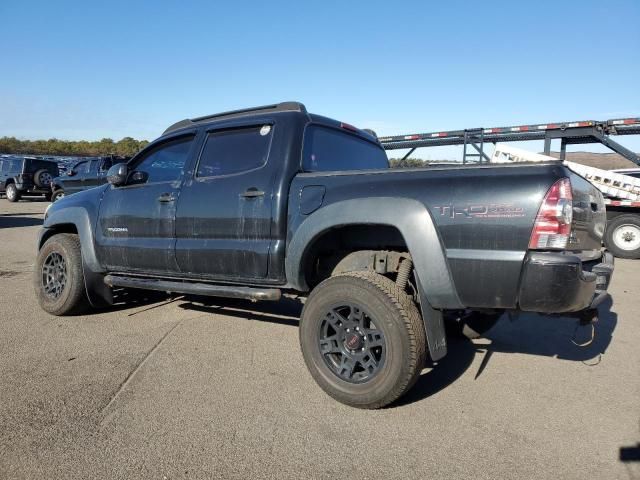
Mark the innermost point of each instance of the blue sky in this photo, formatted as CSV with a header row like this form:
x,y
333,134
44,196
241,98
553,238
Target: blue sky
x,y
87,70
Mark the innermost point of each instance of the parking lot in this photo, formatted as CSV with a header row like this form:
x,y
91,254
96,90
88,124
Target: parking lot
x,y
168,388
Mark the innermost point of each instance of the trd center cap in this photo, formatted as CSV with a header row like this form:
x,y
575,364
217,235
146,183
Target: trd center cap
x,y
353,341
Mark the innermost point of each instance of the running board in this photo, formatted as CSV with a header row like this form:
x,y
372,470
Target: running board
x,y
192,288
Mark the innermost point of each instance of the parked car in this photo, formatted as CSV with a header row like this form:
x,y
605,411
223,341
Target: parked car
x,y
254,203
21,176
86,174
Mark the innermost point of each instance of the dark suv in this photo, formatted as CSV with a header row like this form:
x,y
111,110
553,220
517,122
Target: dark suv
x,y
26,176
86,174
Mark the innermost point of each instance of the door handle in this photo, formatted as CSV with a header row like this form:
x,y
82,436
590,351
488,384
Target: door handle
x,y
252,192
166,198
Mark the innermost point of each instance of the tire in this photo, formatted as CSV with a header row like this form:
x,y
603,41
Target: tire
x,y
385,362
57,195
622,237
12,193
60,253
471,325
42,178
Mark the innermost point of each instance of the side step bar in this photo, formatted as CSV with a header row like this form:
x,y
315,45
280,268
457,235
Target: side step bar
x,y
206,289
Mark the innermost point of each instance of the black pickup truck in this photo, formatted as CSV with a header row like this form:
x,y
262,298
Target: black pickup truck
x,y
89,173
259,202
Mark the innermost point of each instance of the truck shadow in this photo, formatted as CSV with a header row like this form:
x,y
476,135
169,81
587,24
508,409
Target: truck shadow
x,y
10,221
530,334
284,312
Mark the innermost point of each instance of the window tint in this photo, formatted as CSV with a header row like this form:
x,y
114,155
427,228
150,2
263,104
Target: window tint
x,y
233,151
327,149
15,165
81,167
166,162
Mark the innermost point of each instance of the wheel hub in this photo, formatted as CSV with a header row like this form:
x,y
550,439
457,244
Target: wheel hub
x,y
54,275
627,237
352,346
353,341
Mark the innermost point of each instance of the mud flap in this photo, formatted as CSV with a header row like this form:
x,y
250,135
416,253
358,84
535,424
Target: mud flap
x,y
433,326
98,293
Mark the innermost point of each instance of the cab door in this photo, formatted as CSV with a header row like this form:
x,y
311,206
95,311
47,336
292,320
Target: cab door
x,y
223,221
135,230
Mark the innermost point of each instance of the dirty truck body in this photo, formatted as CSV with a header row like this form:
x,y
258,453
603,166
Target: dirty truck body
x,y
254,203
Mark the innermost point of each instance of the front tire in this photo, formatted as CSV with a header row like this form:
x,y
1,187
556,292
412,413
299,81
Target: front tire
x,y
362,339
58,277
12,192
622,237
57,195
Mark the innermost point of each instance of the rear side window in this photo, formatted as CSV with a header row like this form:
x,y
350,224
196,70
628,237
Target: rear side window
x,y
328,149
15,165
234,151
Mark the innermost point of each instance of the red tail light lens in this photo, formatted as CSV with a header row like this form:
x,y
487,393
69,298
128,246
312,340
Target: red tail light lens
x,y
553,222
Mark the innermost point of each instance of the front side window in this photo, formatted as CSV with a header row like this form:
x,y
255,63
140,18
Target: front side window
x,y
81,167
329,149
165,163
233,151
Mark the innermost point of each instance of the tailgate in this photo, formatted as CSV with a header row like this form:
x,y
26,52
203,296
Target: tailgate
x,y
589,215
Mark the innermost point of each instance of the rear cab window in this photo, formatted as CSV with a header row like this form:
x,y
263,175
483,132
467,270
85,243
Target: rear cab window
x,y
332,149
232,151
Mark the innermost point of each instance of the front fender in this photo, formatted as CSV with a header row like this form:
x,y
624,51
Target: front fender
x,y
80,212
79,218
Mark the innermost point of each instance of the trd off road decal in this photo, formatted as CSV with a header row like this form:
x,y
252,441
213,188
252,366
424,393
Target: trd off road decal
x,y
492,210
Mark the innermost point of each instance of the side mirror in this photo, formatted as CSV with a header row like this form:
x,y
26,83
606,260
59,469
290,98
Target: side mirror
x,y
117,174
71,173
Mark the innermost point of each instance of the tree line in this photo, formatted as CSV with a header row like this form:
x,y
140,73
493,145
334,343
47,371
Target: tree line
x,y
128,146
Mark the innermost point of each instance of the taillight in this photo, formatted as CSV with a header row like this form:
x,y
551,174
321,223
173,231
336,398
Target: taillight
x,y
553,222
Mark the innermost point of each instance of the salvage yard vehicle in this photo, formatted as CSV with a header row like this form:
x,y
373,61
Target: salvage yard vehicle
x,y
21,176
259,202
86,174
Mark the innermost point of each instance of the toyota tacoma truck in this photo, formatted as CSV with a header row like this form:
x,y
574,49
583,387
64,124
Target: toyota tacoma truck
x,y
274,200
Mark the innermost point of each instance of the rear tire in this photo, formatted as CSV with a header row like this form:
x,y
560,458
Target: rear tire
x,y
12,192
58,277
622,237
362,339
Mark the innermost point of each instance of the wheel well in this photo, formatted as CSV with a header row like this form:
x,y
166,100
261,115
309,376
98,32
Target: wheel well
x,y
62,228
353,247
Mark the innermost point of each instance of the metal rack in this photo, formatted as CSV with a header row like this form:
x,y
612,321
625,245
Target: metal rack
x,y
569,133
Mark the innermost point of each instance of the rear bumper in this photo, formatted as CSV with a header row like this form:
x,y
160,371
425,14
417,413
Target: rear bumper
x,y
561,282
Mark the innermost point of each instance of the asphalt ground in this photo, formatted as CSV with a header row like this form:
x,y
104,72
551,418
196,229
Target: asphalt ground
x,y
177,388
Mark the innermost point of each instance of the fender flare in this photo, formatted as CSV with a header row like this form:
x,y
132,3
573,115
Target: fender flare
x,y
98,293
414,221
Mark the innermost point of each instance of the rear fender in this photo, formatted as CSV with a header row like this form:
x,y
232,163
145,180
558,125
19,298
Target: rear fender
x,y
413,220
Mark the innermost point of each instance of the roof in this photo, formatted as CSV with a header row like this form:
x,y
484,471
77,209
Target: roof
x,y
276,107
